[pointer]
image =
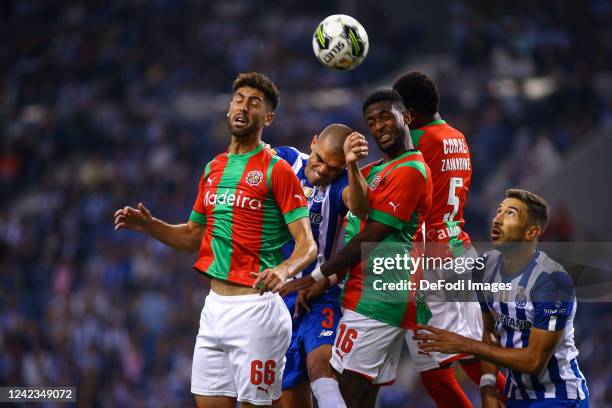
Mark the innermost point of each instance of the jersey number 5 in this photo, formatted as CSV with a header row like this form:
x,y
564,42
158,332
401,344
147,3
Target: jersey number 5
x,y
455,183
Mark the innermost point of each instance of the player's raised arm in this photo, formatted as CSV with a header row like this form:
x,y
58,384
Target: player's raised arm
x,y
355,196
183,237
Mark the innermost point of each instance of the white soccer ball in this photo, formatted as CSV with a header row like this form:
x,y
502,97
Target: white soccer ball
x,y
340,42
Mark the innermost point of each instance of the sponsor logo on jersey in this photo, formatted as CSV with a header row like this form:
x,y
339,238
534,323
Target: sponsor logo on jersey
x,y
374,183
238,199
508,321
254,177
326,333
394,205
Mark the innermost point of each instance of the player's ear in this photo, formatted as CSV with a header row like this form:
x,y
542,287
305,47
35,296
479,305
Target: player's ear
x,y
408,116
314,142
269,119
533,232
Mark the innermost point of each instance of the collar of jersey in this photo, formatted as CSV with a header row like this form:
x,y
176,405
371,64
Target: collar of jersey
x,y
435,122
245,155
401,156
527,268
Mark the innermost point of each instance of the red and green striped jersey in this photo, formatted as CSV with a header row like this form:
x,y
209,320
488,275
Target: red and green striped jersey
x,y
400,197
245,201
446,153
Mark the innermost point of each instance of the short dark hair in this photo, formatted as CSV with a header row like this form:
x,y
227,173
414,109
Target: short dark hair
x,y
419,92
537,207
388,95
259,81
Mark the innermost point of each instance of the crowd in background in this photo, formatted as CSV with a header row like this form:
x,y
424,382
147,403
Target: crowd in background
x,y
107,103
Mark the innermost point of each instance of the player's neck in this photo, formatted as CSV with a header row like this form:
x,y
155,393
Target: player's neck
x,y
246,144
517,258
421,120
398,150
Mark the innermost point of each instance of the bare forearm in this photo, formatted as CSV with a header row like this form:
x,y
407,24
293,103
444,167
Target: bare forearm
x,y
358,191
302,256
343,260
179,236
515,359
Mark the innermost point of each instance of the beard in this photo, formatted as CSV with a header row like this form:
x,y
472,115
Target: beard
x,y
252,127
511,243
391,147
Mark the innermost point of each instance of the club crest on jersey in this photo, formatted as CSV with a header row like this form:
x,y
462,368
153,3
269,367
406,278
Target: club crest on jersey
x,y
374,183
521,297
254,177
319,195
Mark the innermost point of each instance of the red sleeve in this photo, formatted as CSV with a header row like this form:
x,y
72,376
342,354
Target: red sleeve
x,y
197,213
395,199
287,192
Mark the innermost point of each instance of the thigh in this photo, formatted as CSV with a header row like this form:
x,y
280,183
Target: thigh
x,y
215,402
295,367
353,387
368,400
367,347
211,374
258,341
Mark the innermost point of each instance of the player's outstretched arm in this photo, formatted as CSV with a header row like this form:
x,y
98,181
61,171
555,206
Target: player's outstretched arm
x,y
355,196
528,360
184,237
345,259
304,252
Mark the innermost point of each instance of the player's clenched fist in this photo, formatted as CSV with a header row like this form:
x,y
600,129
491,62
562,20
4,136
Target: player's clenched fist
x,y
355,148
132,218
270,279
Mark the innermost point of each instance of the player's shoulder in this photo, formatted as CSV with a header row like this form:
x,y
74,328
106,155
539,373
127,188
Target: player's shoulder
x,y
437,133
550,273
289,154
341,181
411,161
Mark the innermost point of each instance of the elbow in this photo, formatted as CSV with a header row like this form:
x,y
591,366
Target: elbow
x,y
361,213
312,250
535,366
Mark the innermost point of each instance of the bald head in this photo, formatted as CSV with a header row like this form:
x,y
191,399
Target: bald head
x,y
326,160
333,137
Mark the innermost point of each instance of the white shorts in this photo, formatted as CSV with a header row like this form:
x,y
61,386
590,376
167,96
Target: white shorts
x,y
367,347
463,318
240,348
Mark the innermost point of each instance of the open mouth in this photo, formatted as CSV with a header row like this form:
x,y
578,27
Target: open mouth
x,y
495,233
385,137
240,120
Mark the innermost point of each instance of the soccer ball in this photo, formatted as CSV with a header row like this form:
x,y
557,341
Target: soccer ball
x,y
340,42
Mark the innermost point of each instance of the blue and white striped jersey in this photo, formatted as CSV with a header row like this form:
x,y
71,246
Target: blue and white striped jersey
x,y
542,297
326,208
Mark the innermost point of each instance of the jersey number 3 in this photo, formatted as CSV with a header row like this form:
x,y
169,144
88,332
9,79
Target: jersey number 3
x,y
453,199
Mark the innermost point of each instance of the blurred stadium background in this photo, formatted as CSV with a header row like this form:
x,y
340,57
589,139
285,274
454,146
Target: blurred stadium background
x,y
107,102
